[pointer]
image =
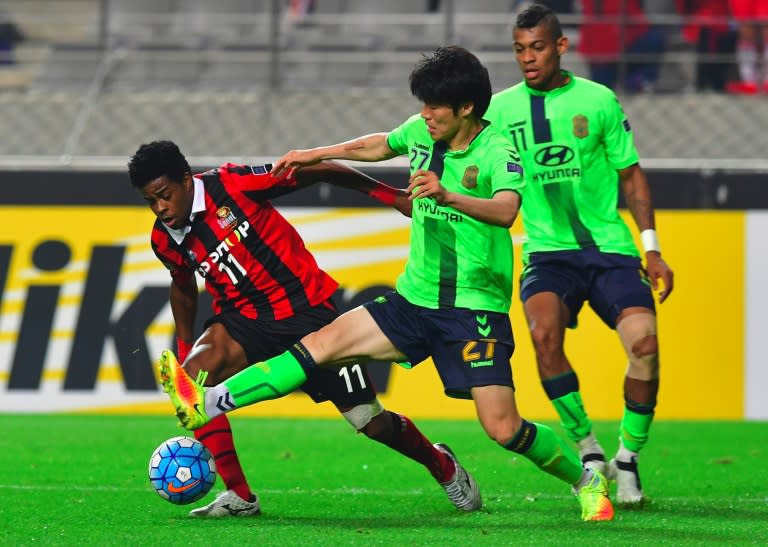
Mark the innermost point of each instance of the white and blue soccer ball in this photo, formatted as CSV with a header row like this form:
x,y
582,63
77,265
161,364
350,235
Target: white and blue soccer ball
x,y
181,470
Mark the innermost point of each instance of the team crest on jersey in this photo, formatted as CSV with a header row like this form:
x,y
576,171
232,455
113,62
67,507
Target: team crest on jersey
x,y
469,180
191,255
580,126
225,217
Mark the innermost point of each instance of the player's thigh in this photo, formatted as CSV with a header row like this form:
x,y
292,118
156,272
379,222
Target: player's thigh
x,y
217,353
470,348
346,387
240,341
616,289
547,315
351,336
557,273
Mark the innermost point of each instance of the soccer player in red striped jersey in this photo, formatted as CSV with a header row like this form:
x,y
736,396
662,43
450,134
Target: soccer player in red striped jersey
x,y
268,291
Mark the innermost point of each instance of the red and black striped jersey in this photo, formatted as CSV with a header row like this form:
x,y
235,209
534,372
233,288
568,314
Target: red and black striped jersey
x,y
252,259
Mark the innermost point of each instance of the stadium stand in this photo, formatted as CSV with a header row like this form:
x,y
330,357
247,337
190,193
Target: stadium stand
x,y
94,79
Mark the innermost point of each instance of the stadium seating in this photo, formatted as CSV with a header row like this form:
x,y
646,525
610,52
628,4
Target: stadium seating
x,y
208,70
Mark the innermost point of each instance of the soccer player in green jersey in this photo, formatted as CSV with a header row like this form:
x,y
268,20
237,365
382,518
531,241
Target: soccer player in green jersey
x,y
452,301
577,150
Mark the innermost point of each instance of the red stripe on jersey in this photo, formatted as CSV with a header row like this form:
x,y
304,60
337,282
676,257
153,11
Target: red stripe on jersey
x,y
253,260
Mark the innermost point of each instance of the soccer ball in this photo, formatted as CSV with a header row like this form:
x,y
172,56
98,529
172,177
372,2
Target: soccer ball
x,y
181,470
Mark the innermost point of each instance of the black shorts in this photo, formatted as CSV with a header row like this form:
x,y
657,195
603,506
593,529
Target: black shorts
x,y
345,387
610,282
469,348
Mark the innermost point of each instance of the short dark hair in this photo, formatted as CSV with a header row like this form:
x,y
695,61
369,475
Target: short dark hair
x,y
157,159
453,76
539,14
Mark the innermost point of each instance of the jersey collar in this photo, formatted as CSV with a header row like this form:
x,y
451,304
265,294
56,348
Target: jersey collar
x,y
198,206
557,90
484,123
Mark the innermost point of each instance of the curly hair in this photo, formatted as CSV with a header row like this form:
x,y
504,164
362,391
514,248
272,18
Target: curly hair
x,y
157,159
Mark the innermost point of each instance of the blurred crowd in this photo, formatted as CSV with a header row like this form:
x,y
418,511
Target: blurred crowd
x,y
624,42
719,31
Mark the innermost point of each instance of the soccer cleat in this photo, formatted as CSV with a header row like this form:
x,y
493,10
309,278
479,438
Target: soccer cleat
x,y
228,504
187,395
462,489
593,497
629,491
592,454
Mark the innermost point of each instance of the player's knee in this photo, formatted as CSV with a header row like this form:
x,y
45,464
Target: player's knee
x,y
501,431
644,359
369,418
638,335
647,346
545,340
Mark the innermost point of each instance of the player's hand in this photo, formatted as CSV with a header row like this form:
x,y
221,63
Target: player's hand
x,y
293,160
657,270
424,184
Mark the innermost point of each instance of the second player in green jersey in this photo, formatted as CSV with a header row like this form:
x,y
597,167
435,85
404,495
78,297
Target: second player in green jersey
x,y
578,150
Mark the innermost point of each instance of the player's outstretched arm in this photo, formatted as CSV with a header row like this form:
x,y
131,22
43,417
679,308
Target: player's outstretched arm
x,y
338,174
372,147
637,194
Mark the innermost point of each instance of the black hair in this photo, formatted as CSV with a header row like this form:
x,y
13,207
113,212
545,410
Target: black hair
x,y
157,159
453,76
538,14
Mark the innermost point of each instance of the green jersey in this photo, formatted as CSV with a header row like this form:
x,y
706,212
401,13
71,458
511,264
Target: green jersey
x,y
455,260
572,140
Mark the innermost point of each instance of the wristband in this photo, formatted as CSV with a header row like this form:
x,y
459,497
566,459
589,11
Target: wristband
x,y
183,348
650,241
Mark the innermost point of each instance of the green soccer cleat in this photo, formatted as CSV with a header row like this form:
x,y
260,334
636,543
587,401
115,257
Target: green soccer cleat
x,y
593,497
187,395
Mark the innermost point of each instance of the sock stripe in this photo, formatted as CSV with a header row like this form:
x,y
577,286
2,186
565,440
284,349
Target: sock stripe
x,y
524,438
208,434
562,385
594,457
224,453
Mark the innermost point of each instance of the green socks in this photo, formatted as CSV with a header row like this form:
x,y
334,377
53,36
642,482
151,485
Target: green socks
x,y
543,447
635,427
270,379
563,391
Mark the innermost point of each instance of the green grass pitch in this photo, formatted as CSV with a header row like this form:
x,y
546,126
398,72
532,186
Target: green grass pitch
x,y
82,480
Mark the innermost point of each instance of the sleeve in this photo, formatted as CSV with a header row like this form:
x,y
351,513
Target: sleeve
x,y
618,139
256,181
506,168
397,139
172,259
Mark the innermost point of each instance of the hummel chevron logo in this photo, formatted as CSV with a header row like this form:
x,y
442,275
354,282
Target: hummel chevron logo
x,y
224,403
483,328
